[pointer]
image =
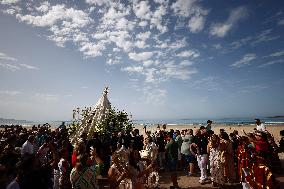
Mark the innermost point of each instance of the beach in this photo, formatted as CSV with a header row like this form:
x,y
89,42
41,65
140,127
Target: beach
x,y
192,181
272,129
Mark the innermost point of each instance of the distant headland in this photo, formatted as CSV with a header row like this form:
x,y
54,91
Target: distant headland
x,y
13,121
272,117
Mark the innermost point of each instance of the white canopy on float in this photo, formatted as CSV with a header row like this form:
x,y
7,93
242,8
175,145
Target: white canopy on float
x,y
92,118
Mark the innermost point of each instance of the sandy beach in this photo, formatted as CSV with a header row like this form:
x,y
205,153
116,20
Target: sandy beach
x,y
273,129
192,181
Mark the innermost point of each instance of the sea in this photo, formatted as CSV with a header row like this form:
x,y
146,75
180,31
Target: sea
x,y
277,120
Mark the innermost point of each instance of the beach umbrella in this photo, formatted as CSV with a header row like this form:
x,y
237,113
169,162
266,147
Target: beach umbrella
x,y
93,119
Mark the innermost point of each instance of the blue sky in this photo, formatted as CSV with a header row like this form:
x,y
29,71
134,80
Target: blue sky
x,y
161,59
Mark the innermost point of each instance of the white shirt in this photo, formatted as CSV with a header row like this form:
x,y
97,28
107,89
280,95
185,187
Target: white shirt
x,y
42,153
261,127
27,148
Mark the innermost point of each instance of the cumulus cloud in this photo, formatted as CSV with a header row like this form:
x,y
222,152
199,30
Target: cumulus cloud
x,y
188,53
247,58
142,10
194,11
140,56
119,31
98,2
91,49
131,69
8,2
196,23
184,8
222,29
78,18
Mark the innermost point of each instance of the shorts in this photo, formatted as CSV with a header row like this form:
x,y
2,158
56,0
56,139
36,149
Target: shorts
x,y
189,158
172,164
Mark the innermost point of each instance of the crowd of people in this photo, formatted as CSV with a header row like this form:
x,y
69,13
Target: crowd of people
x,y
44,158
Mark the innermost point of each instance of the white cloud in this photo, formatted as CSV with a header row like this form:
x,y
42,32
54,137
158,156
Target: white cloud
x,y
15,67
8,2
98,2
148,63
184,7
272,63
120,29
121,40
142,10
264,36
143,36
186,63
80,37
10,67
191,9
57,13
3,56
141,44
140,56
91,49
113,61
143,23
131,69
150,75
9,93
30,67
222,29
189,53
178,44
157,18
124,24
217,46
276,54
245,60
44,7
196,23
172,70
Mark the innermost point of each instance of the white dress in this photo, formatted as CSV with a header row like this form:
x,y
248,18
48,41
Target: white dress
x,y
215,166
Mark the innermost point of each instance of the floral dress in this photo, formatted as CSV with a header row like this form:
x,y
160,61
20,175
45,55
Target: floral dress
x,y
85,179
216,166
